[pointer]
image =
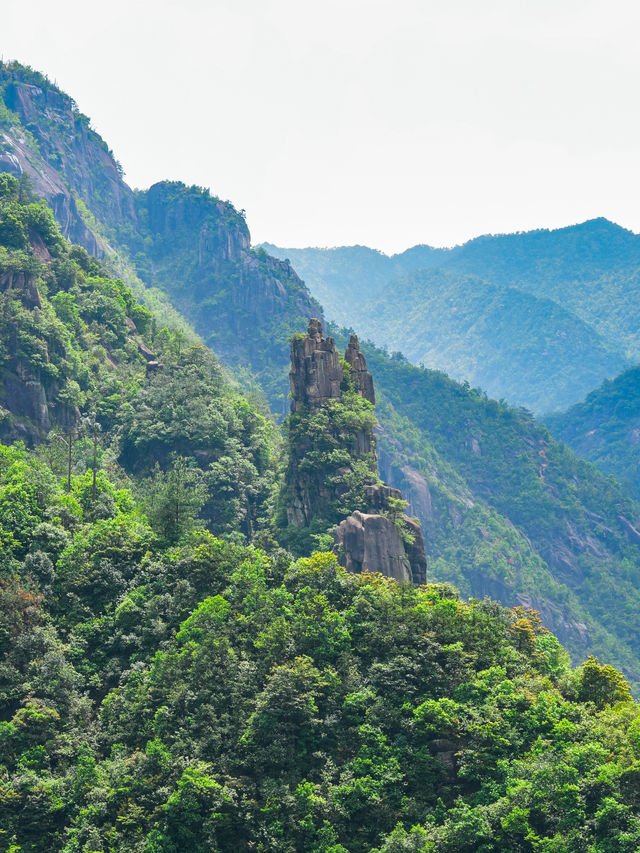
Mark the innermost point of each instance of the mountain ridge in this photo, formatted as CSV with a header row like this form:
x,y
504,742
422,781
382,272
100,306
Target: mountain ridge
x,y
47,139
590,271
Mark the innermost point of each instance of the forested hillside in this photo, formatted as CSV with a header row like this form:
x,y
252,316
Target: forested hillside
x,y
172,678
208,696
528,350
88,371
605,428
175,246
537,318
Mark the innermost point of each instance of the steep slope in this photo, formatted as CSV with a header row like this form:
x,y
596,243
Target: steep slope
x,y
244,304
509,512
47,139
212,697
605,428
589,271
89,373
182,242
528,350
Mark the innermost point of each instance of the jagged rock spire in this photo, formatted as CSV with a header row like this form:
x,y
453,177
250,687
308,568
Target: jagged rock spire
x,y
315,374
376,536
362,379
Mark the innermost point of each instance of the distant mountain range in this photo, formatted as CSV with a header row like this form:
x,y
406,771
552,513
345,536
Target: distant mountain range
x,y
537,318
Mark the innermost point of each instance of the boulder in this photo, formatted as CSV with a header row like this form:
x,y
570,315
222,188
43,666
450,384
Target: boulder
x,y
372,543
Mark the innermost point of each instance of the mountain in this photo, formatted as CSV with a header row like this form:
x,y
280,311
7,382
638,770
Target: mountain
x,y
171,678
164,689
605,428
88,373
509,343
499,506
518,347
509,512
172,244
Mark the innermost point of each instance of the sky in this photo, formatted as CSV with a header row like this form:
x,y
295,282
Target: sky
x,y
385,123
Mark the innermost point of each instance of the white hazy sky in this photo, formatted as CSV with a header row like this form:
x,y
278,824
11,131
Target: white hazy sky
x,y
382,122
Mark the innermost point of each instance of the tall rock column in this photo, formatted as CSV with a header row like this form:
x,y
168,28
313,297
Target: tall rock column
x,y
316,374
332,482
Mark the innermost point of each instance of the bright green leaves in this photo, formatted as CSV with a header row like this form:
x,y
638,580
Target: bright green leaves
x,y
602,684
205,617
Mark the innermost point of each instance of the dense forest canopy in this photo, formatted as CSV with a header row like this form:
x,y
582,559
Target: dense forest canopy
x,y
205,695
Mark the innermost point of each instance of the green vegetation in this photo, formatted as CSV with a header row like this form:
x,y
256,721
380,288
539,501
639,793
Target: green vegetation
x,y
513,345
605,428
330,460
170,678
509,512
244,304
203,695
74,342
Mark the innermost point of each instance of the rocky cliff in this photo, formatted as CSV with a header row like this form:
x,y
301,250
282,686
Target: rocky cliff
x,y
332,480
192,246
244,303
67,163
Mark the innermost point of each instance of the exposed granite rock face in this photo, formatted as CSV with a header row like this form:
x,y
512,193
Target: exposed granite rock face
x,y
46,183
376,537
71,161
371,543
416,551
362,379
27,393
379,499
24,285
316,379
316,374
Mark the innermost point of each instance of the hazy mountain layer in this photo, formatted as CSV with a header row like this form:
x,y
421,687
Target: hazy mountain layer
x,y
511,344
605,428
535,354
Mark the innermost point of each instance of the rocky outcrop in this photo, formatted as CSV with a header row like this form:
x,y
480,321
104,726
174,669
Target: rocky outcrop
x,y
70,165
368,542
361,377
376,536
20,160
24,285
316,374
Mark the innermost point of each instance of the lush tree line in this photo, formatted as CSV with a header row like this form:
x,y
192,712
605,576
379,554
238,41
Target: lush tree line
x,y
205,695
